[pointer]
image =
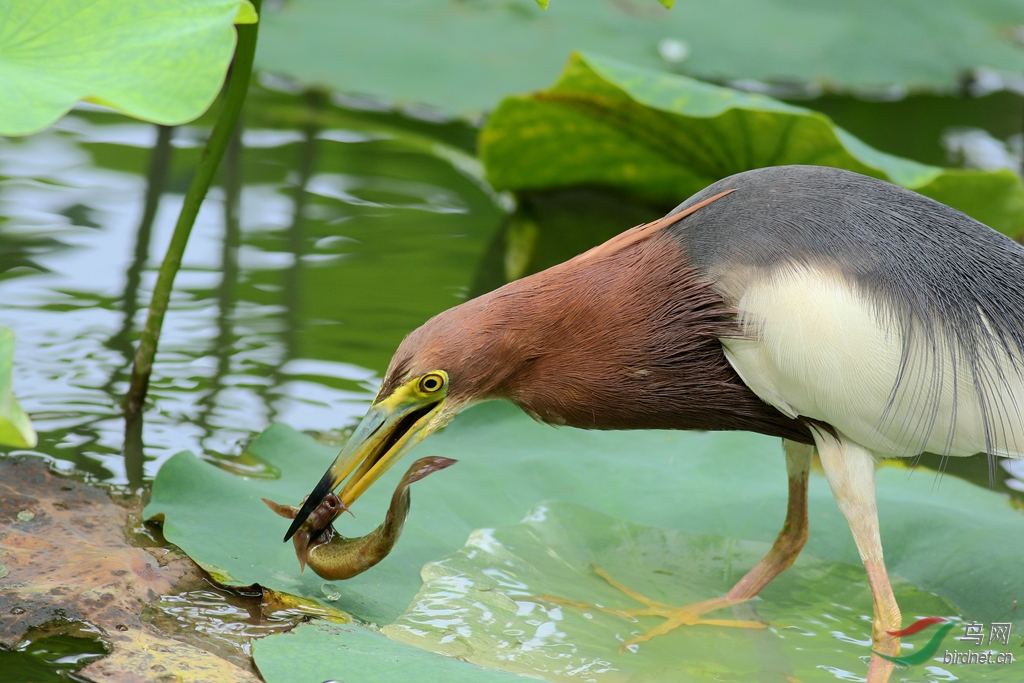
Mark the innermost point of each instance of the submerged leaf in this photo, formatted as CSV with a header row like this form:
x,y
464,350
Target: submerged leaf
x,y
161,62
661,138
15,428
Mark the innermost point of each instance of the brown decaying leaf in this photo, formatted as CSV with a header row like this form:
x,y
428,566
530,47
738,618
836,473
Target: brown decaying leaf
x,y
69,561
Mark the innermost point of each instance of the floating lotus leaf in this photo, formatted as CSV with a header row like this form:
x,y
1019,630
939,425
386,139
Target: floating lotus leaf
x,y
483,604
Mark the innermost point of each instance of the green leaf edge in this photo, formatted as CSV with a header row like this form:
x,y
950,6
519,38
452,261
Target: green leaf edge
x,y
246,13
15,427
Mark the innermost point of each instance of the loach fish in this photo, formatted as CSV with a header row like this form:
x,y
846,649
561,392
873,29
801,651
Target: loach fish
x,y
333,556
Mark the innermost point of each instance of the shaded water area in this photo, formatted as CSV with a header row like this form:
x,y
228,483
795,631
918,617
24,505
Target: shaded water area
x,y
335,227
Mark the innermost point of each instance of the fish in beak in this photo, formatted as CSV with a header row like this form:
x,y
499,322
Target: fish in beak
x,y
388,431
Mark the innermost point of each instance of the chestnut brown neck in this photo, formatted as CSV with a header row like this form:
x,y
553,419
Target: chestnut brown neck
x,y
623,338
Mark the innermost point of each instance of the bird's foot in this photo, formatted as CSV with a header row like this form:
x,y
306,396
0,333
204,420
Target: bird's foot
x,y
885,626
884,641
690,615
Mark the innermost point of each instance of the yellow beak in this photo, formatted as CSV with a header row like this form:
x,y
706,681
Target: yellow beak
x,y
387,432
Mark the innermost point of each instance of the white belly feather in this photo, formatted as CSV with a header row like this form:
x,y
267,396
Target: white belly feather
x,y
812,347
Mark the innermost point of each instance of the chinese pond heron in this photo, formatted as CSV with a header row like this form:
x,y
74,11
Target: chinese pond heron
x,y
836,311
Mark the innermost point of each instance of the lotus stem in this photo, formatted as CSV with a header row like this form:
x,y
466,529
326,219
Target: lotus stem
x,y
223,127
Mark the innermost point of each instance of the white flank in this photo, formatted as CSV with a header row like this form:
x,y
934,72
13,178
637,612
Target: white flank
x,y
816,347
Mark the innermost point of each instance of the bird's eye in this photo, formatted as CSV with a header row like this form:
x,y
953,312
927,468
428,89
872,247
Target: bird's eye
x,y
431,383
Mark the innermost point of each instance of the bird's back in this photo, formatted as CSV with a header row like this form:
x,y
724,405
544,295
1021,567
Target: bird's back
x,y
890,316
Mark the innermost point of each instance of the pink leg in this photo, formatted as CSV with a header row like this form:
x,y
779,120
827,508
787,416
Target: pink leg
x,y
887,618
850,470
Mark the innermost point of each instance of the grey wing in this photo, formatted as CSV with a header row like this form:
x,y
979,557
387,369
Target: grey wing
x,y
895,319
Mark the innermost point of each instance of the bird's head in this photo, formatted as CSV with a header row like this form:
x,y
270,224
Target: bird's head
x,y
453,360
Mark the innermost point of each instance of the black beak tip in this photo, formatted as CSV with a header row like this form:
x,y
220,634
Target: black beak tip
x,y
313,500
296,523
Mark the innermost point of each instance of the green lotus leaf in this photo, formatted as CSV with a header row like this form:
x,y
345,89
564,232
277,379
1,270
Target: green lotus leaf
x,y
15,428
160,62
715,499
660,138
465,56
320,652
481,604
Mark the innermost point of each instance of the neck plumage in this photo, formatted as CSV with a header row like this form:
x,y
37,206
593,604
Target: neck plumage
x,y
624,338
